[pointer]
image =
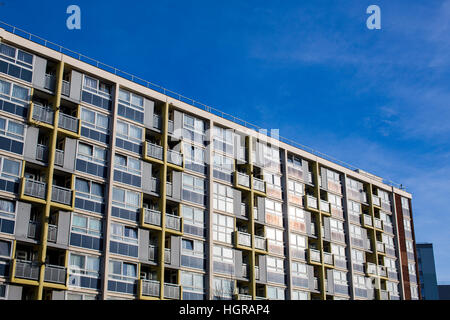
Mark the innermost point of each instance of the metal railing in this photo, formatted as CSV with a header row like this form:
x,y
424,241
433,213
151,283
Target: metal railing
x,y
378,223
62,195
43,114
173,222
42,153
167,255
68,122
50,81
154,151
314,255
128,76
27,269
376,200
152,217
328,258
169,188
244,239
59,157
33,230
150,288
34,188
260,243
384,295
172,291
175,157
324,206
65,89
52,233
155,185
241,296
256,273
259,185
311,201
382,272
152,252
367,220
371,268
243,179
157,123
244,210
55,274
170,126
380,247
244,270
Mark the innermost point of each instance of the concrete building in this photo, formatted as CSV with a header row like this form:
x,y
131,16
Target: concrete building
x,y
427,271
114,188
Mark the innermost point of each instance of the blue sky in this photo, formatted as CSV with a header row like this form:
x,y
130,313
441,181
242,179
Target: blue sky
x,y
378,99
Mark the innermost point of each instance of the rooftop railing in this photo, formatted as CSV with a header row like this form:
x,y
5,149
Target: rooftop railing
x,y
128,76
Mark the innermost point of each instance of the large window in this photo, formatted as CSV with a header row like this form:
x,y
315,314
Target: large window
x,y
127,164
223,254
85,265
91,153
223,198
97,86
299,295
132,100
119,270
274,213
12,129
94,120
129,132
223,163
275,293
223,228
14,92
194,153
222,288
86,225
275,240
193,285
193,220
275,265
16,56
295,187
193,124
7,209
124,233
126,198
89,190
5,249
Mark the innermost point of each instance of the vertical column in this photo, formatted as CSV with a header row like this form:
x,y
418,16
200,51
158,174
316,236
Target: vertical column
x,y
209,210
49,177
251,205
374,240
287,225
397,246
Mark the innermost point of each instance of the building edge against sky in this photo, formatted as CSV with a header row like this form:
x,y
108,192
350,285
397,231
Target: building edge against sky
x,y
112,190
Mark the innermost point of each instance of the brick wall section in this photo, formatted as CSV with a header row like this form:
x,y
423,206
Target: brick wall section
x,y
403,254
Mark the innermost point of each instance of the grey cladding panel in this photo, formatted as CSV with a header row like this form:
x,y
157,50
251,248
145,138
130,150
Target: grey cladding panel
x,y
310,277
261,209
75,85
237,200
63,228
326,227
69,154
178,124
40,66
149,108
146,176
22,219
330,280
14,292
31,141
262,268
58,295
176,185
175,246
238,263
143,244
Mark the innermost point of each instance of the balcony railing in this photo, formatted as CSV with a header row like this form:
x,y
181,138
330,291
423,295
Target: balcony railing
x,y
244,297
152,252
52,233
243,179
169,189
255,213
325,206
173,222
175,157
152,217
170,126
311,201
55,274
43,114
314,255
62,195
59,157
42,153
371,268
244,239
34,188
154,185
367,220
150,288
256,273
65,90
68,122
27,270
50,81
328,258
378,223
384,295
260,243
244,270
172,291
376,200
259,185
34,228
244,210
167,255
380,247
157,123
382,272
154,151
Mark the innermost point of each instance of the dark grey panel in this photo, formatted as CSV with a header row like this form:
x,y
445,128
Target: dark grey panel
x,y
237,200
31,141
40,66
149,107
63,228
75,85
22,219
144,238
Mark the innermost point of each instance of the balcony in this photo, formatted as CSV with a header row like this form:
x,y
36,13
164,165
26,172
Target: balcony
x,y
59,157
65,90
378,223
50,81
256,273
68,122
34,188
260,243
243,297
371,269
382,272
243,179
244,210
328,258
367,220
154,185
152,217
55,274
175,157
314,255
244,239
311,202
26,269
384,295
62,195
34,229
52,233
259,185
244,270
169,189
157,122
152,252
172,291
154,151
380,247
42,114
173,222
42,153
376,200
167,255
170,126
150,288
325,206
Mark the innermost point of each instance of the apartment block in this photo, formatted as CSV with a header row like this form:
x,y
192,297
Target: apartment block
x,y
113,189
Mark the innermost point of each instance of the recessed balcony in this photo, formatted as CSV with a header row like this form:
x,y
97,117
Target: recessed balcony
x,y
173,222
150,288
152,217
172,291
243,239
68,122
26,269
55,274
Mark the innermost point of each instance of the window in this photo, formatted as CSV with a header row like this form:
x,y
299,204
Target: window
x,y
295,187
334,176
384,196
223,198
223,163
7,209
296,214
12,129
95,120
272,179
91,153
193,124
128,131
86,265
122,271
192,283
193,248
405,203
193,184
80,296
335,200
275,293
86,225
355,231
89,190
354,207
123,233
14,92
10,168
299,295
294,161
409,246
223,288
127,164
407,224
390,263
223,228
299,269
193,216
97,86
338,251
336,225
126,198
358,256
275,264
340,277
17,56
359,281
274,213
275,238
223,254
297,241
133,100
2,291
5,249
194,153
412,268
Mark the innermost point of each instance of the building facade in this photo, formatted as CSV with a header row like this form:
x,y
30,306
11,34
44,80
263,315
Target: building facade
x,y
427,271
112,190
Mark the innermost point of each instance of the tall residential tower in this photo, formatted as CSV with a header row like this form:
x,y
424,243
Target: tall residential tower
x,y
113,188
